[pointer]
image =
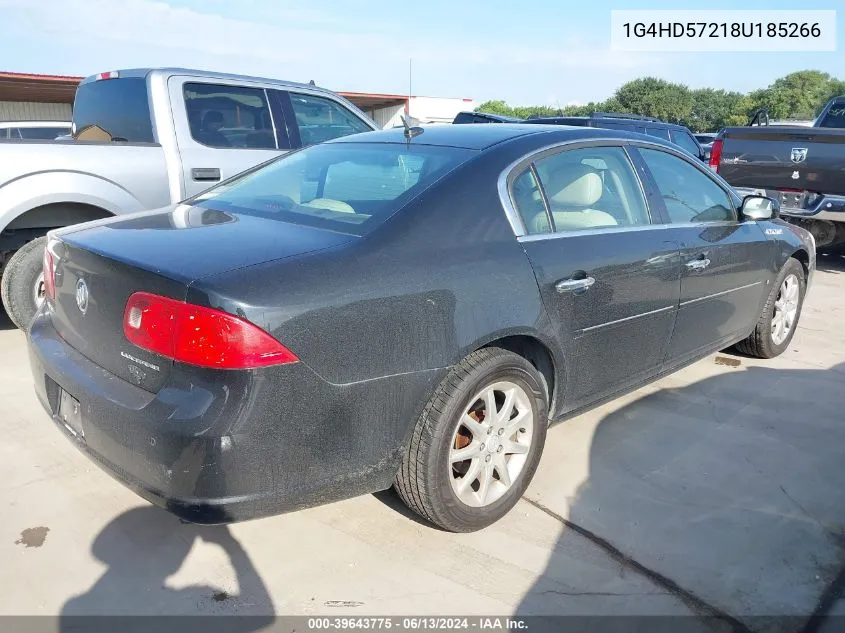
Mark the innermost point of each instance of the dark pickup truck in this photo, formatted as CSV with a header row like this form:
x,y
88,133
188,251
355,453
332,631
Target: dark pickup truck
x,y
803,168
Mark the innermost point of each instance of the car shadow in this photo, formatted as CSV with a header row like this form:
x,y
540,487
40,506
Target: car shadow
x,y
724,495
5,321
391,499
833,262
141,549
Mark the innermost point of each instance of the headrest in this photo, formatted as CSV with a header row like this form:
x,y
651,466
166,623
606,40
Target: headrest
x,y
575,185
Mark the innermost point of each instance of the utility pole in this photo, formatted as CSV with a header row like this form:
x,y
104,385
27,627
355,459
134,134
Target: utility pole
x,y
410,83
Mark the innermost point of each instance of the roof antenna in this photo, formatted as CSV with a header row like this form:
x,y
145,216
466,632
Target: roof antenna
x,y
311,83
411,132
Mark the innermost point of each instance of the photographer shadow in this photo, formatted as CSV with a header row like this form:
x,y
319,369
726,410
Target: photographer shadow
x,y
142,548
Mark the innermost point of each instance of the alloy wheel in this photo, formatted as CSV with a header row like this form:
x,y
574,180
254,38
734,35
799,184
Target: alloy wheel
x,y
38,292
490,445
786,309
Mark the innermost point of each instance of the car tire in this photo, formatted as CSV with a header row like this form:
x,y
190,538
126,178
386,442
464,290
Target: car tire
x,y
786,298
22,278
502,451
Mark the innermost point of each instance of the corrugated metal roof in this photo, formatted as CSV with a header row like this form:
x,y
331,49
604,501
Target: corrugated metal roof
x,y
38,77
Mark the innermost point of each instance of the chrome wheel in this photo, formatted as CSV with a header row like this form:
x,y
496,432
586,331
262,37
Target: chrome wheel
x,y
786,309
38,291
490,445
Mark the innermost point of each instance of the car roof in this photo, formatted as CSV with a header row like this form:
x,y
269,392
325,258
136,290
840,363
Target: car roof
x,y
206,74
490,115
481,137
558,120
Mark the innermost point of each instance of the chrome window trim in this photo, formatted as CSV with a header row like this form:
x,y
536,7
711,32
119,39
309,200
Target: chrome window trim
x,y
624,229
537,237
592,328
518,226
641,185
272,119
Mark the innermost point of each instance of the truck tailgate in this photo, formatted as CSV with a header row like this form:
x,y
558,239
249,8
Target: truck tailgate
x,y
807,159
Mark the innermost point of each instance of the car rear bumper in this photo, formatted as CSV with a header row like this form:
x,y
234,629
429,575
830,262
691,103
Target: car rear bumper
x,y
216,446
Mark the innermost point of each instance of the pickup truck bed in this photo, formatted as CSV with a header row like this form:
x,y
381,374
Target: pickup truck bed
x,y
803,168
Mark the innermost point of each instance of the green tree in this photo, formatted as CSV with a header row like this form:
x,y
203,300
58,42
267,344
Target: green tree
x,y
654,97
496,107
711,109
741,112
798,95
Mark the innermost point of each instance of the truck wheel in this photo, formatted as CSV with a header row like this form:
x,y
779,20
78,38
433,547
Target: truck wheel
x,y
779,318
477,443
22,286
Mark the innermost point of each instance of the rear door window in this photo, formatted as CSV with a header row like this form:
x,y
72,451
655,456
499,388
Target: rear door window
x,y
659,132
580,189
614,125
113,110
320,119
224,116
685,141
835,117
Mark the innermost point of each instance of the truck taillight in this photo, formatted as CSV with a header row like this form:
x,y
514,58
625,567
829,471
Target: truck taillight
x,y
716,154
49,269
201,336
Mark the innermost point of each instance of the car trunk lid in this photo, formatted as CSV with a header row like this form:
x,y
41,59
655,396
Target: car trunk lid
x,y
91,294
98,267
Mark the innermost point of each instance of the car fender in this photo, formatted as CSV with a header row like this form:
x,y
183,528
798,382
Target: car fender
x,y
66,186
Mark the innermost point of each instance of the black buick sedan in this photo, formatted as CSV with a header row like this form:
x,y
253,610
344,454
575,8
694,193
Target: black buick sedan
x,y
406,309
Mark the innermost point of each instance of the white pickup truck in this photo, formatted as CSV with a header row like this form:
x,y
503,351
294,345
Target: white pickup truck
x,y
144,139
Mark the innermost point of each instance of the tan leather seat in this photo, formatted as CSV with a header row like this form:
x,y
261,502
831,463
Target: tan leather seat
x,y
573,189
330,205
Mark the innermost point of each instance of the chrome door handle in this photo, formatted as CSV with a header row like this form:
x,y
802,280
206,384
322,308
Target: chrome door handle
x,y
574,285
211,174
698,264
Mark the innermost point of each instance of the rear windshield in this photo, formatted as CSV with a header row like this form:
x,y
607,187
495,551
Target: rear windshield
x,y
345,187
835,117
113,110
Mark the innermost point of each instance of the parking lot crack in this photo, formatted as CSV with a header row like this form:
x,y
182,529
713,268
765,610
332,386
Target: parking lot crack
x,y
697,604
808,515
835,591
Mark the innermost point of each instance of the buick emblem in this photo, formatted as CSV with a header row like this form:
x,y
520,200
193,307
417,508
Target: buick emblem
x,y
82,296
798,155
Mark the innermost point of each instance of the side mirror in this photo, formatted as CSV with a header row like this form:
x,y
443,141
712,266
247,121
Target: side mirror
x,y
759,208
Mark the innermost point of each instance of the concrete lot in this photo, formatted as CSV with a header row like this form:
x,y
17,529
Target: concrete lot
x,y
717,491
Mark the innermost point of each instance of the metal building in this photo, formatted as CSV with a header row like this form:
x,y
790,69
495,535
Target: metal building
x,y
27,97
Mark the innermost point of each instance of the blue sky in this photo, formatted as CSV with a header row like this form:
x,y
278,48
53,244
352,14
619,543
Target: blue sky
x,y
550,52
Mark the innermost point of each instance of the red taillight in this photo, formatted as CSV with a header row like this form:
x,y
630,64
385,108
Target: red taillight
x,y
197,335
109,75
49,268
716,154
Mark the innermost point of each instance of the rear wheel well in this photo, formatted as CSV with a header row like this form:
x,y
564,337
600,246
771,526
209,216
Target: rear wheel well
x,y
35,223
536,353
51,216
